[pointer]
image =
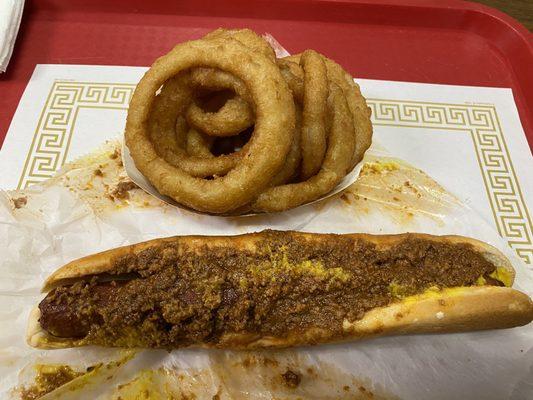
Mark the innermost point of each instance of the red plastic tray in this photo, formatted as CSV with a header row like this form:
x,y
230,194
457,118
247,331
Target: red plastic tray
x,y
435,41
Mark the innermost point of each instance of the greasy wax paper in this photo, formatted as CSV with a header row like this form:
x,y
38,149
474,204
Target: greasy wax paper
x,y
81,211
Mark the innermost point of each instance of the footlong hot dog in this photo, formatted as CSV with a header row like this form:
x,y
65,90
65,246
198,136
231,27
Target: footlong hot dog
x,y
277,289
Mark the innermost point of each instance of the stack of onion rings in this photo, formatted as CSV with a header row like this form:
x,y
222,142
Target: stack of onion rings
x,y
222,126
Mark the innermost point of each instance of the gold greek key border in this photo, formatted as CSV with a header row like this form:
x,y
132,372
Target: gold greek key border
x,y
52,137
482,122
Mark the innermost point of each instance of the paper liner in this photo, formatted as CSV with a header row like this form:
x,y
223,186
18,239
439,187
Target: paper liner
x,y
140,180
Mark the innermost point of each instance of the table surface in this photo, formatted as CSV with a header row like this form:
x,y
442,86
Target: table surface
x,y
521,10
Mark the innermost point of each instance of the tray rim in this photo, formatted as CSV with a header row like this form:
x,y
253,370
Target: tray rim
x,y
517,52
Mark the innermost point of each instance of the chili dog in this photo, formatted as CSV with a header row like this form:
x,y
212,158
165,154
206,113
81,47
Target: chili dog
x,y
277,289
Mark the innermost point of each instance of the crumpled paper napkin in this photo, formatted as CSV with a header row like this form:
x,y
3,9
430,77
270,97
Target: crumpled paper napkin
x,y
10,16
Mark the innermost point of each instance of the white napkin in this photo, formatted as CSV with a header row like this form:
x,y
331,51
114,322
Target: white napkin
x,y
10,16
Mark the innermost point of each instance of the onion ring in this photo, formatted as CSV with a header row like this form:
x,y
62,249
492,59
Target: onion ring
x,y
274,126
215,79
167,130
356,102
292,162
313,139
236,115
171,139
294,76
247,37
337,162
198,144
233,117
